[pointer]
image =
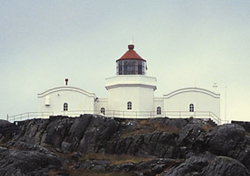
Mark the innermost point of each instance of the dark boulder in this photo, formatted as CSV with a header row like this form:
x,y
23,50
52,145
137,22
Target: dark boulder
x,y
192,166
189,135
26,163
160,144
208,165
245,125
222,165
225,138
57,130
8,130
32,131
98,132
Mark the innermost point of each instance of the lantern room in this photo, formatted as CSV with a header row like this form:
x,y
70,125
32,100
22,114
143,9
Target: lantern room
x,y
131,63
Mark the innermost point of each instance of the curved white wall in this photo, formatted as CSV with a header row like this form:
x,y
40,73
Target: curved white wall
x,y
77,99
137,89
203,100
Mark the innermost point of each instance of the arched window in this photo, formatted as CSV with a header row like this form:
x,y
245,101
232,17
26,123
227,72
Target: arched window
x,y
191,108
103,111
65,107
158,110
129,105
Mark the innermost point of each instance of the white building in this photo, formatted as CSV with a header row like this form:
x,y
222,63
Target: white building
x,y
131,94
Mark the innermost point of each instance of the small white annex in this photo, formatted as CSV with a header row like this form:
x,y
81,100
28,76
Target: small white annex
x,y
131,95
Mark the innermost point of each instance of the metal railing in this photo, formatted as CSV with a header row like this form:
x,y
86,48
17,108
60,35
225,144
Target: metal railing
x,y
28,115
120,114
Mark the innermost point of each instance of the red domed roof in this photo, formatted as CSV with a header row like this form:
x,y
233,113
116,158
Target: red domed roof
x,y
131,54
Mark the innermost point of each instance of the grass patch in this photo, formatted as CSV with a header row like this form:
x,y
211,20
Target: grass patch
x,y
144,126
114,159
207,127
69,168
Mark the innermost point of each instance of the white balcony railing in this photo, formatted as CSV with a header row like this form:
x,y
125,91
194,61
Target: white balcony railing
x,y
120,114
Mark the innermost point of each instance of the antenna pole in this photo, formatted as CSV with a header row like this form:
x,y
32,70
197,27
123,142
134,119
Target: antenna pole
x,y
226,103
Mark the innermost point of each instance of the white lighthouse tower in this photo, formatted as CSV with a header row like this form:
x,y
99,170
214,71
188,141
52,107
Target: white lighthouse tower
x,y
131,92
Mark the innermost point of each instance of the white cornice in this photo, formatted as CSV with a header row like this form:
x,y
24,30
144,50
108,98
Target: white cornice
x,y
192,89
66,88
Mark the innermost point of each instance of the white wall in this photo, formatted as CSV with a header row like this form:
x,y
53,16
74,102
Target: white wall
x,y
101,103
137,89
202,99
78,100
159,102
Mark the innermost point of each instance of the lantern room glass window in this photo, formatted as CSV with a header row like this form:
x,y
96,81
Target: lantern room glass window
x,y
131,67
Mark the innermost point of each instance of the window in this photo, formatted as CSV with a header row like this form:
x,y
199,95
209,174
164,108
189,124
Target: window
x,y
158,110
191,108
129,105
65,107
130,67
103,111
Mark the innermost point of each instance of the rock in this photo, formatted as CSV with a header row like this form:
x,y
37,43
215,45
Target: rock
x,y
245,125
208,165
28,147
171,141
125,167
26,163
242,155
225,138
189,134
160,144
225,166
4,122
31,131
194,164
155,166
8,130
57,130
94,165
178,123
98,131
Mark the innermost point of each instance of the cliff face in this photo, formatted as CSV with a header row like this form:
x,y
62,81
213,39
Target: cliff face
x,y
92,144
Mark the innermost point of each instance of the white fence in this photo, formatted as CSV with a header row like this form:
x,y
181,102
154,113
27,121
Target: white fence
x,y
120,114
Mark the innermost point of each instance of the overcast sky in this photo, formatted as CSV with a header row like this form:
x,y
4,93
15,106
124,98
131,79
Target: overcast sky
x,y
187,43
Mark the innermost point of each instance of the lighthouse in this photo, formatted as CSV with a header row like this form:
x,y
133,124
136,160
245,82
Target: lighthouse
x,y
131,95
131,92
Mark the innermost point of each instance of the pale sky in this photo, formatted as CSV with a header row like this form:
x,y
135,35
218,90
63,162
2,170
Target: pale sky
x,y
187,43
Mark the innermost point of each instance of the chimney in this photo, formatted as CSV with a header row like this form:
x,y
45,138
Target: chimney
x,y
66,81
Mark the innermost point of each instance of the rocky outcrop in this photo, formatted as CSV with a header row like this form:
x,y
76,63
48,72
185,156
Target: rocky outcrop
x,y
209,165
26,163
223,139
245,125
169,146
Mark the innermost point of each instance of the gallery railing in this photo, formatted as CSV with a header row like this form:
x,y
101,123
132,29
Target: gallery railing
x,y
120,114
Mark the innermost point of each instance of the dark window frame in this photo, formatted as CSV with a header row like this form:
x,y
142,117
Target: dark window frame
x,y
129,105
191,107
103,110
65,106
158,110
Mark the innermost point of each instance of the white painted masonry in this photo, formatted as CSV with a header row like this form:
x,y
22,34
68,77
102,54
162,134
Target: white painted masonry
x,y
131,94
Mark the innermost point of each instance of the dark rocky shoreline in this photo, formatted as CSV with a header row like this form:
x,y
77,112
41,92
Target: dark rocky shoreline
x,y
96,145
